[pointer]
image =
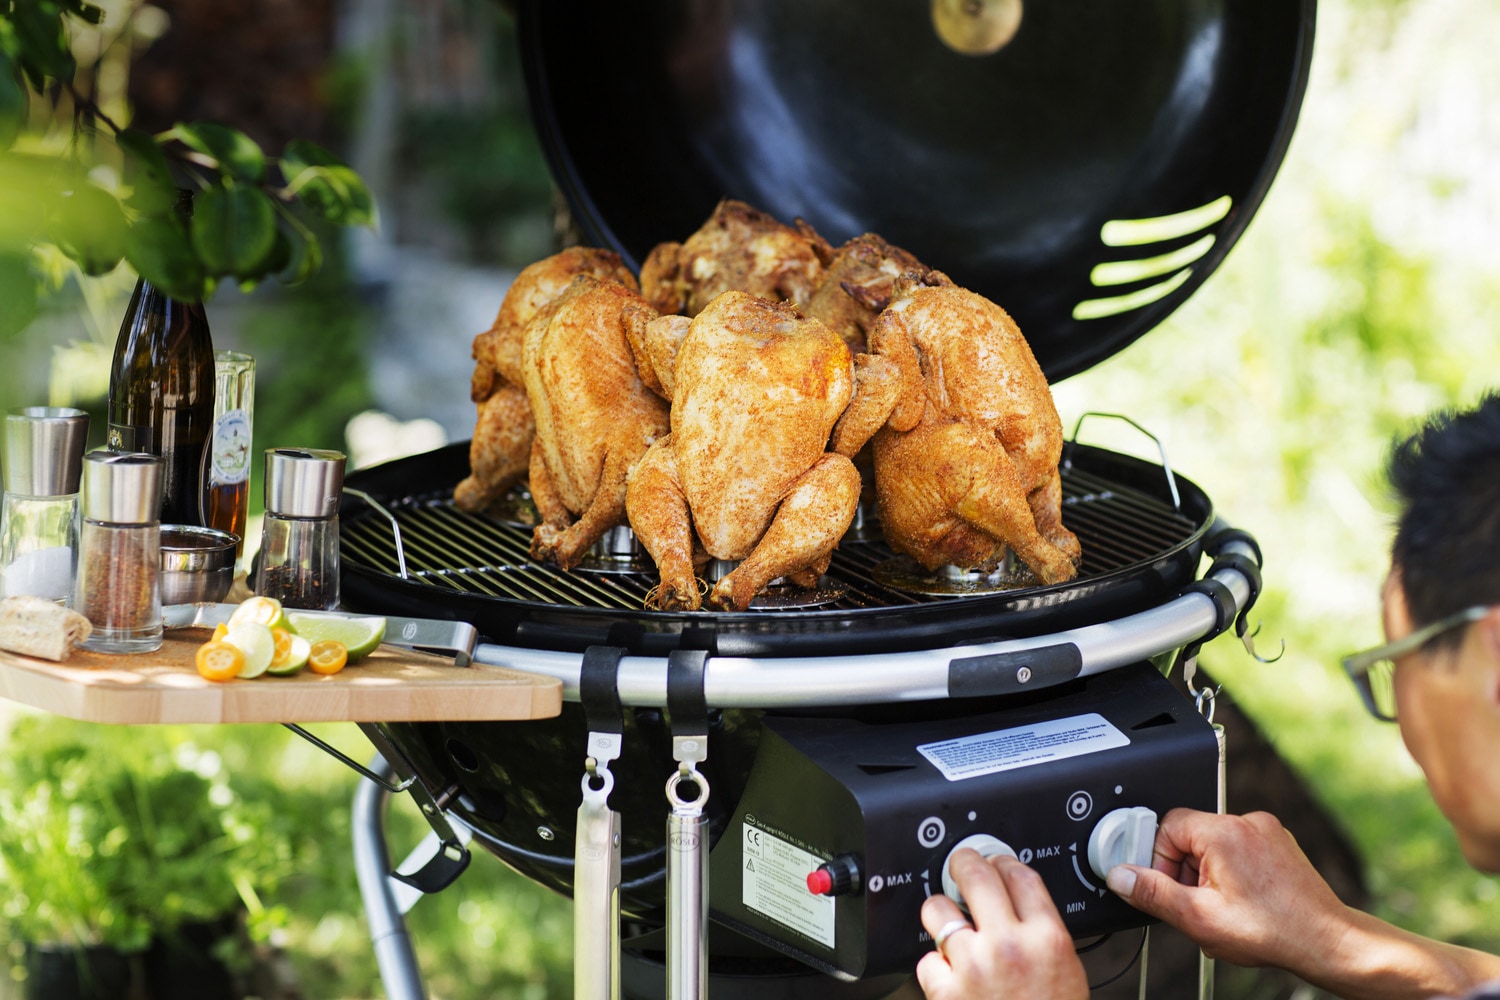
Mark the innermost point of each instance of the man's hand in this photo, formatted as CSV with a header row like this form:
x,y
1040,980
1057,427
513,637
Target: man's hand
x,y
1240,887
1017,949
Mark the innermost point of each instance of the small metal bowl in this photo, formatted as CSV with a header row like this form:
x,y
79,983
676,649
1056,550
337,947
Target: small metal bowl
x,y
197,564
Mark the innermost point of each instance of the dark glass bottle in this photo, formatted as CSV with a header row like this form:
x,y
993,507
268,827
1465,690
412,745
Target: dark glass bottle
x,y
161,392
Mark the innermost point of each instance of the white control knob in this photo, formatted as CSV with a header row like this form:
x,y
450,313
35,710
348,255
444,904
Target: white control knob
x,y
986,846
1123,837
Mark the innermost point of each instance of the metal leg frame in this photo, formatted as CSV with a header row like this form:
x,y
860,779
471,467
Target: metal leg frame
x,y
394,954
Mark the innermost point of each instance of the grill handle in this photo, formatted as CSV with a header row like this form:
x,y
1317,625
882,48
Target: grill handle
x,y
918,675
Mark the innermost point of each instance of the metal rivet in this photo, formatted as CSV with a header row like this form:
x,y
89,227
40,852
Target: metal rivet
x,y
545,833
1023,675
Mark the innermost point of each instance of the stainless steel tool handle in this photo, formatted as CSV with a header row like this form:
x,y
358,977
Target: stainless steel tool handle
x,y
596,894
687,889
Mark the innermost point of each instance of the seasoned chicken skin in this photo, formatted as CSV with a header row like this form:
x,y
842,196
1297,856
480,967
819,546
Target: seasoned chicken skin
x,y
739,248
745,474
594,416
966,465
857,284
501,447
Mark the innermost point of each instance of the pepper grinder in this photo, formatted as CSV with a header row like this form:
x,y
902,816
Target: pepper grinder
x,y
39,516
299,547
119,552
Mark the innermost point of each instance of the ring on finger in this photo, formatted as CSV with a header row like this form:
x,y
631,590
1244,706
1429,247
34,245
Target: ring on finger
x,y
946,931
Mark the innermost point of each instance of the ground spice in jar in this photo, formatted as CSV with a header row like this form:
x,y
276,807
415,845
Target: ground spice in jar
x,y
118,577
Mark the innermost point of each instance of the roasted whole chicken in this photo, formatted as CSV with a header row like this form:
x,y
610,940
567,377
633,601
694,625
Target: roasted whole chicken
x,y
594,416
741,249
967,463
501,447
746,473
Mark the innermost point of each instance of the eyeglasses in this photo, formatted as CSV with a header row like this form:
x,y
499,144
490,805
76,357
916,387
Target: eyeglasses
x,y
1373,671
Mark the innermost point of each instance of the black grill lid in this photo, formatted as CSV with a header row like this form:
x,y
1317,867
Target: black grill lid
x,y
1104,135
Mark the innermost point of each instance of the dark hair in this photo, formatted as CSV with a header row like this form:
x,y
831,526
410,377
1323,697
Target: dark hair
x,y
1447,482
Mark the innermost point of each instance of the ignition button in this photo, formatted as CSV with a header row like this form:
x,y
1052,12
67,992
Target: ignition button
x,y
839,877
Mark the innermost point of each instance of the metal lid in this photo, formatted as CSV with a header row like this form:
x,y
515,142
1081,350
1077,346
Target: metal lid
x,y
122,487
1087,175
44,450
304,482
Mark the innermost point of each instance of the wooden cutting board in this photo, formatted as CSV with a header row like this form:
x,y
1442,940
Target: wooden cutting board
x,y
390,685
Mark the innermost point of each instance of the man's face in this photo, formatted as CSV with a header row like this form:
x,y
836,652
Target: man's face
x,y
1448,707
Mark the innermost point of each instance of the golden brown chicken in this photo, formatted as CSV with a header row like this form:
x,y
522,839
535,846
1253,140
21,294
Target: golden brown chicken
x,y
966,465
745,474
501,447
739,248
594,416
856,285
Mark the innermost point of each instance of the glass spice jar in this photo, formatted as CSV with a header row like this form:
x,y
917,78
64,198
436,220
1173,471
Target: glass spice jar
x,y
39,514
298,562
119,552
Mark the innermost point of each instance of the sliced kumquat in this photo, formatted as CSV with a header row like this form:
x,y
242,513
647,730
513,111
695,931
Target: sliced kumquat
x,y
220,631
219,661
283,648
327,657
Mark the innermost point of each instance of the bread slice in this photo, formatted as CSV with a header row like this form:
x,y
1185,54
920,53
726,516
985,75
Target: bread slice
x,y
34,626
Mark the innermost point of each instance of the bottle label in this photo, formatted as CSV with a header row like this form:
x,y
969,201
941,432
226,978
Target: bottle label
x,y
229,451
121,437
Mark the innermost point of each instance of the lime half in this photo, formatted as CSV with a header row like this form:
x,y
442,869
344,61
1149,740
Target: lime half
x,y
256,642
359,635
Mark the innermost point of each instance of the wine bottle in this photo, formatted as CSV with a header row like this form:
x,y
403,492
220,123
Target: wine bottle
x,y
161,391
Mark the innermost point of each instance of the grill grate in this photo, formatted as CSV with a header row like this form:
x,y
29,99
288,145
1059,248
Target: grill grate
x,y
450,549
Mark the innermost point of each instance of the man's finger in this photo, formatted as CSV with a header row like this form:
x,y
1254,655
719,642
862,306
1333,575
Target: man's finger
x,y
935,975
983,890
1028,893
1151,891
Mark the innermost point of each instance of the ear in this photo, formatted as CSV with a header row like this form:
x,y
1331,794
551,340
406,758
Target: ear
x,y
1489,637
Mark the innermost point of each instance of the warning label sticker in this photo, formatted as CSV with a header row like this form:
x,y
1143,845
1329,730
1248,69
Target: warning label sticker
x,y
774,883
1008,749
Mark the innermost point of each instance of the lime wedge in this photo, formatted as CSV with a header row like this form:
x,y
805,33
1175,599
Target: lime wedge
x,y
255,641
296,657
359,635
265,611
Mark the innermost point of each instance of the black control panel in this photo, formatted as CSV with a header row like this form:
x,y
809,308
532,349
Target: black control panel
x,y
872,810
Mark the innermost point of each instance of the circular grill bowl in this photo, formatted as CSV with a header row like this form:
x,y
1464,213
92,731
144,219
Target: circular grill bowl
x,y
1137,551
1009,171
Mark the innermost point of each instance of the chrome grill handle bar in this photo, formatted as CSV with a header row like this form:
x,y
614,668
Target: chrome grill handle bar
x,y
918,675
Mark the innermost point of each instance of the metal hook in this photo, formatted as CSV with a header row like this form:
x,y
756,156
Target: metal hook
x,y
1204,701
1249,640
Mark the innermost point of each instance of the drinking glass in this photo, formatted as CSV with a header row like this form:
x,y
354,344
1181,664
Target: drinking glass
x,y
225,503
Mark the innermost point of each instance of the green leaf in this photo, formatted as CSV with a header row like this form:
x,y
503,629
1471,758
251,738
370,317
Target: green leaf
x,y
88,225
12,103
327,185
146,171
17,294
234,230
43,44
304,257
160,252
236,153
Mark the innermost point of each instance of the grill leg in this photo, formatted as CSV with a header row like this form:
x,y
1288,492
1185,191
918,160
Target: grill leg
x,y
394,955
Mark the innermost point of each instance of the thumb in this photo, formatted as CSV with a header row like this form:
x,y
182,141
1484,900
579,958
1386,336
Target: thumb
x,y
1149,891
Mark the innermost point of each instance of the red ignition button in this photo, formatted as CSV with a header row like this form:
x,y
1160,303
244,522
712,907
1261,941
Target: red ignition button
x,y
839,877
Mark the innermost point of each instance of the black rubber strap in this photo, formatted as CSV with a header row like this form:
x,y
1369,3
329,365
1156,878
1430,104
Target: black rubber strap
x,y
599,689
1247,568
1220,540
1224,609
686,702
